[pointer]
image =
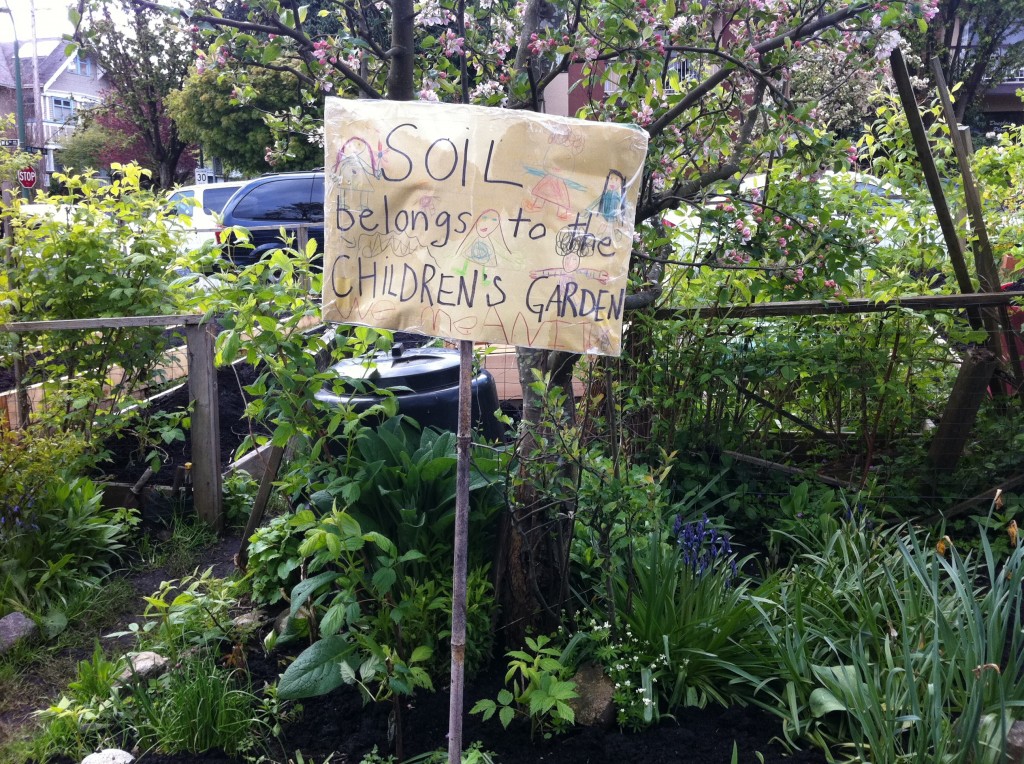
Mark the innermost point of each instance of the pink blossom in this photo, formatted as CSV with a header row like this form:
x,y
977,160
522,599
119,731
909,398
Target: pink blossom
x,y
452,45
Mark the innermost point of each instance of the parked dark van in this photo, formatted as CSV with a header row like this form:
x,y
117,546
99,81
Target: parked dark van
x,y
266,205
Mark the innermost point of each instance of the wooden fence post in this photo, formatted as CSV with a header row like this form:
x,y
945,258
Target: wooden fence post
x,y
202,387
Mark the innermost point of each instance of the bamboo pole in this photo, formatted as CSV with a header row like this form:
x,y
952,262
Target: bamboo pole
x,y
920,303
459,563
984,261
931,175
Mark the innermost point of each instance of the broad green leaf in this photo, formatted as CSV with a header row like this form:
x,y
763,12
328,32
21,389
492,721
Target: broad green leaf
x,y
421,653
317,670
823,702
304,589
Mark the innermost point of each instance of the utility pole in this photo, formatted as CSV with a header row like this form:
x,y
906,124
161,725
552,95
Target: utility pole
x,y
37,100
19,93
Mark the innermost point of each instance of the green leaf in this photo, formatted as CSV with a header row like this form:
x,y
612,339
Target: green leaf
x,y
823,702
333,619
421,653
484,707
506,715
317,670
384,579
304,589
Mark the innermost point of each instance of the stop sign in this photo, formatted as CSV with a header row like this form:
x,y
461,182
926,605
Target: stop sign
x,y
27,177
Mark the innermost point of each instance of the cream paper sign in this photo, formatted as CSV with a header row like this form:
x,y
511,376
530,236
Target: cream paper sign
x,y
481,224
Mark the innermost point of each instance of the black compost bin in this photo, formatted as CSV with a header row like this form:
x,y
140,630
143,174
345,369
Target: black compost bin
x,y
432,378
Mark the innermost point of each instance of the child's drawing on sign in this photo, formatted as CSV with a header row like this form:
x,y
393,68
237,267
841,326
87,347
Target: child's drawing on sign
x,y
355,169
554,184
552,188
610,206
570,269
484,244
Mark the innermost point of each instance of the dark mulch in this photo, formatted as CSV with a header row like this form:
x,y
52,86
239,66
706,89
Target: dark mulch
x,y
125,463
339,725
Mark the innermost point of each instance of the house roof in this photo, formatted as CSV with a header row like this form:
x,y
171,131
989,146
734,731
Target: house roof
x,y
51,61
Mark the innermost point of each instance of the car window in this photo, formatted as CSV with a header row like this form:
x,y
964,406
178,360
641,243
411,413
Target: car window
x,y
286,199
315,213
183,206
214,199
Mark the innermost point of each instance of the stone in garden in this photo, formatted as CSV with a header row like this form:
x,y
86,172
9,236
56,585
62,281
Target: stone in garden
x,y
1015,744
14,627
282,621
248,621
109,756
285,624
144,666
594,706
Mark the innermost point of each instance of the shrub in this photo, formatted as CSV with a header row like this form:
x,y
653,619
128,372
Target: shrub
x,y
56,537
109,252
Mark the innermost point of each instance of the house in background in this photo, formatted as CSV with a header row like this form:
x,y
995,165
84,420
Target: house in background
x,y
1001,102
68,84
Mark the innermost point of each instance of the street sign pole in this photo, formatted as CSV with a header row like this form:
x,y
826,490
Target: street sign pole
x,y
20,96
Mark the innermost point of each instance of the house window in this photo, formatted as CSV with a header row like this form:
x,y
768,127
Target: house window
x,y
63,109
81,66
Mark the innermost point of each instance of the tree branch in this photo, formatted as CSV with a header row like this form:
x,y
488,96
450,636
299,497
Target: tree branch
x,y
800,31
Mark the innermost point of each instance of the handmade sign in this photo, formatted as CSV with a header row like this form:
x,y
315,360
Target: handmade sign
x,y
479,224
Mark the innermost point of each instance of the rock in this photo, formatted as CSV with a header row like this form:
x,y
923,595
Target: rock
x,y
286,626
594,706
144,665
1015,744
14,627
109,756
248,621
282,621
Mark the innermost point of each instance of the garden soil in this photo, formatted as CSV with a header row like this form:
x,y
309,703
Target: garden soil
x,y
126,462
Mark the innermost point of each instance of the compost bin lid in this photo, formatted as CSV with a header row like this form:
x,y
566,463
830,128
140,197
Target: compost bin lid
x,y
419,369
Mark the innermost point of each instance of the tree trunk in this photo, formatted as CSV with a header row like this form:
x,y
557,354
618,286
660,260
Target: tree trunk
x,y
533,583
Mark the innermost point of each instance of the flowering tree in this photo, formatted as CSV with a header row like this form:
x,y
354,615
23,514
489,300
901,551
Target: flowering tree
x,y
709,80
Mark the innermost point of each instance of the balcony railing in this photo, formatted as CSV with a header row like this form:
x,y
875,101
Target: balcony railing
x,y
55,132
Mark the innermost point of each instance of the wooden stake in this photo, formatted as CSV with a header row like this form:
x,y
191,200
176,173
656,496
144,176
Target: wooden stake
x,y
259,505
459,563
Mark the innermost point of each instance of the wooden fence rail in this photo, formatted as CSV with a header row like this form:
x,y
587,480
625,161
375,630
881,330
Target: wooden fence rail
x,y
202,386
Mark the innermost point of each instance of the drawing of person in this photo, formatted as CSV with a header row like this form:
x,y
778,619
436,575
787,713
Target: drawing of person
x,y
570,268
611,204
355,170
484,244
553,186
